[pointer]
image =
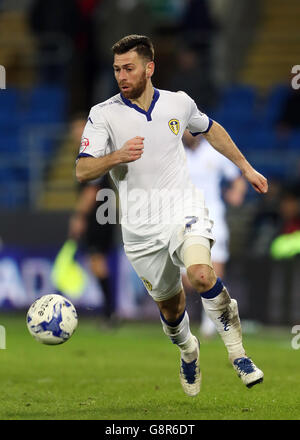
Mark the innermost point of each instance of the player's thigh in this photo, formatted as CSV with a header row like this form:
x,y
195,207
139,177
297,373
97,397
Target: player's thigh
x,y
157,271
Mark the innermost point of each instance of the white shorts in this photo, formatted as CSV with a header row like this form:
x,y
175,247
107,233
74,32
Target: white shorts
x,y
159,265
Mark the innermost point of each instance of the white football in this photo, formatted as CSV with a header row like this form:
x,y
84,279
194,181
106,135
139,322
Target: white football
x,y
52,319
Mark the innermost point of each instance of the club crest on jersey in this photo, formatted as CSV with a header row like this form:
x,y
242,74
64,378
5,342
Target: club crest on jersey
x,y
174,126
147,284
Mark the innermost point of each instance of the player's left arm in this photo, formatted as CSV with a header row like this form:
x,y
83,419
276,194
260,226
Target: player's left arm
x,y
218,137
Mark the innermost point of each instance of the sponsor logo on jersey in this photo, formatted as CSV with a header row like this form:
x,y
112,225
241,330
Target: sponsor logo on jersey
x,y
174,126
147,284
84,143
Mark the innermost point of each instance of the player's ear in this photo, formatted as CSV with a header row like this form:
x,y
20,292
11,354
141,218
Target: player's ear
x,y
150,69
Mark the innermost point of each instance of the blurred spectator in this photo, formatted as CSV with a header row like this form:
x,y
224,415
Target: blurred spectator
x,y
208,171
289,118
55,28
113,19
198,26
166,12
222,185
289,210
86,61
277,213
17,44
287,243
188,75
66,40
198,30
95,240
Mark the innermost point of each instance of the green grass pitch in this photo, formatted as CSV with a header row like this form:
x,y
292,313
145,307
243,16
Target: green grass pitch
x,y
132,373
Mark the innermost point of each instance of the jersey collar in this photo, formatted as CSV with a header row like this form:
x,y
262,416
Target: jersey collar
x,y
138,109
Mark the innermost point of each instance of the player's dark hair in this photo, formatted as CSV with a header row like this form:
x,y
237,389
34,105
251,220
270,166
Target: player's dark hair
x,y
140,43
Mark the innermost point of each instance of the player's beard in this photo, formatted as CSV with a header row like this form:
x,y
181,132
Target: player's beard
x,y
137,90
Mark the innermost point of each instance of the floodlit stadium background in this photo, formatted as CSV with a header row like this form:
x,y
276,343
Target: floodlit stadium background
x,y
238,59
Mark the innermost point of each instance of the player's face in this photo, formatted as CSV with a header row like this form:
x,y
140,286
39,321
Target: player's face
x,y
131,74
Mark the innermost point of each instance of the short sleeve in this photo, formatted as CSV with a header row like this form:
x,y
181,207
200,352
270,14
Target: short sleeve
x,y
198,122
95,137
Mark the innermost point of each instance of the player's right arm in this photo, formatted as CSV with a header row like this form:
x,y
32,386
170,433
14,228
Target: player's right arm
x,y
96,156
89,168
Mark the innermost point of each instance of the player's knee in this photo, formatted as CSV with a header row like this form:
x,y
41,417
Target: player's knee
x,y
202,277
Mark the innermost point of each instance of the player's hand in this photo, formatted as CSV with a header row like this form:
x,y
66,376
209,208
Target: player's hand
x,y
257,180
132,150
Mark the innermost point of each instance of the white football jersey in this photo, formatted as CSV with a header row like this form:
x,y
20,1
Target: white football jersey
x,y
158,183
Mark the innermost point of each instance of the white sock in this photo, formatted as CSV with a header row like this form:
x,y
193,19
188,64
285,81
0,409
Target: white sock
x,y
180,334
223,311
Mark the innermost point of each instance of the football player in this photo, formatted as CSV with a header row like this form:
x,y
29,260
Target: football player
x,y
137,136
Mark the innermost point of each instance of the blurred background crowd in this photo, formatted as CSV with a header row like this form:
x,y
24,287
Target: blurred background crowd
x,y
234,58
